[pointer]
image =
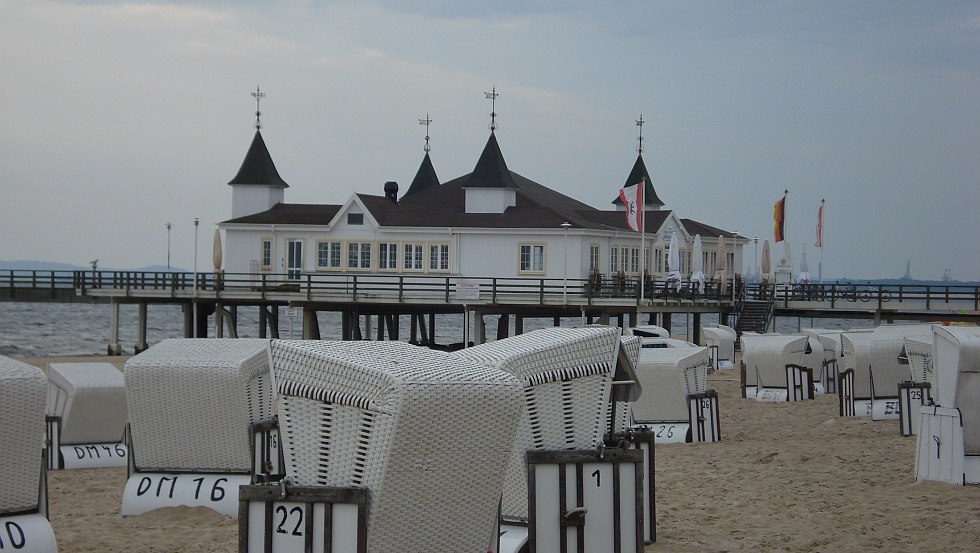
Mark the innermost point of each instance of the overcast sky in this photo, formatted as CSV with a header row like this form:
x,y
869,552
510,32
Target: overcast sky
x,y
118,117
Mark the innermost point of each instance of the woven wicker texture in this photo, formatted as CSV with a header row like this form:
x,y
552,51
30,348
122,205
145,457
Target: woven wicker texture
x,y
829,342
191,402
667,376
856,347
918,350
766,356
621,417
90,398
22,401
427,432
722,336
567,374
887,342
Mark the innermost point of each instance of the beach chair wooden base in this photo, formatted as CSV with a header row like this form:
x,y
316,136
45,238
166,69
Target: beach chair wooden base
x,y
642,439
704,419
27,533
939,445
911,397
585,500
302,519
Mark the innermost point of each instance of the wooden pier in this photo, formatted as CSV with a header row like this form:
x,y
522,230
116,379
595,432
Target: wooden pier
x,y
362,298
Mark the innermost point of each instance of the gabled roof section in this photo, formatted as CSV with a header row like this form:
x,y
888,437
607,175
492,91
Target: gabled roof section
x,y
639,172
425,177
258,168
491,170
706,231
291,214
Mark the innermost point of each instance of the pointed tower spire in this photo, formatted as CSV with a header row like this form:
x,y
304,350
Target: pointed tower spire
x,y
491,170
257,171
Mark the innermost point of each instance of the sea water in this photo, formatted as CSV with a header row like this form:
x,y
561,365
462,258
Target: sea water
x,y
45,329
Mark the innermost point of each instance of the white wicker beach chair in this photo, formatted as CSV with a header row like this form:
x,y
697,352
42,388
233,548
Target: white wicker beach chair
x,y
427,432
191,403
90,398
918,351
766,356
668,376
856,351
567,374
22,393
956,362
720,341
887,372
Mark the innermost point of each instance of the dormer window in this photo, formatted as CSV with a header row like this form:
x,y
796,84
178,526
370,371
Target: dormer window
x,y
355,218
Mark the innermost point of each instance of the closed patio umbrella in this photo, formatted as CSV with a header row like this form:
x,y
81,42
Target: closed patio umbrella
x,y
673,261
697,267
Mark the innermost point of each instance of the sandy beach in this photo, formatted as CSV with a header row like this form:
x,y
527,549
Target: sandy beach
x,y
786,477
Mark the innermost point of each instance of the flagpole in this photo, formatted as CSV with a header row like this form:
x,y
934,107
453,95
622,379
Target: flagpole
x,y
643,235
820,268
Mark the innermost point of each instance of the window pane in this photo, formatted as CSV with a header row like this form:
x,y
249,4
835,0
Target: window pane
x,y
365,256
352,255
335,254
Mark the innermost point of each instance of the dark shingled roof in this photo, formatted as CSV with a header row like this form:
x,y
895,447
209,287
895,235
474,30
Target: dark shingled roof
x,y
640,172
425,177
693,227
491,170
293,214
258,168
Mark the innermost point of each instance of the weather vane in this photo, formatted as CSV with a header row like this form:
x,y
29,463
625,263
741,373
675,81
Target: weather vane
x,y
639,123
426,122
258,95
492,96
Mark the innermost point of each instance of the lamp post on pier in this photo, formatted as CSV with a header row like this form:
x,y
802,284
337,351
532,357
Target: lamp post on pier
x,y
194,299
755,258
169,224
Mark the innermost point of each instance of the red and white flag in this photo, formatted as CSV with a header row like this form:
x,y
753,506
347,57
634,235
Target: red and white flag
x,y
632,198
820,226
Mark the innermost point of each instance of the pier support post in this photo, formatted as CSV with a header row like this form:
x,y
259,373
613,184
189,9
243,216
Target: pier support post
x,y
219,320
189,320
115,348
311,325
632,319
666,321
696,330
233,321
518,324
141,330
604,318
432,327
394,321
503,326
368,327
479,328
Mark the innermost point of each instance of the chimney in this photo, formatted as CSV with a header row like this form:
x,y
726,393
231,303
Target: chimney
x,y
391,191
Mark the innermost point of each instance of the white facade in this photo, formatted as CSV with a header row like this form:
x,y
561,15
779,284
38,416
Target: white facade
x,y
248,199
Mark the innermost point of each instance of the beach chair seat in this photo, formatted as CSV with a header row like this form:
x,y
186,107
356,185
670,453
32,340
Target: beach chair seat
x,y
766,358
427,432
90,399
22,402
567,375
720,341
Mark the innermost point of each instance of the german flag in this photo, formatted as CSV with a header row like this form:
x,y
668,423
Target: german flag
x,y
779,217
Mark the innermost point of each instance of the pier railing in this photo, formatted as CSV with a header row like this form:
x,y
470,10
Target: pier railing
x,y
24,284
